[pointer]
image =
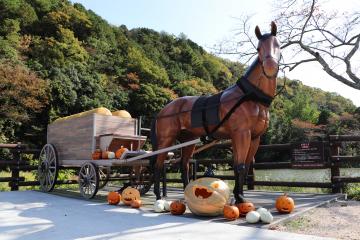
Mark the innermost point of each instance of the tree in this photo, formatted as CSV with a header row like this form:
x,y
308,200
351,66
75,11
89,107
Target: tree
x,y
22,92
309,34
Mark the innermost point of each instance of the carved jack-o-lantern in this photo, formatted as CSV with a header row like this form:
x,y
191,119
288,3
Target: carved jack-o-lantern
x,y
207,196
113,198
231,212
285,204
245,207
177,208
129,194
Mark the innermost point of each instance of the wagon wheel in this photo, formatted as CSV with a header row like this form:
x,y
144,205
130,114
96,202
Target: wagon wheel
x,y
48,168
89,180
141,179
104,174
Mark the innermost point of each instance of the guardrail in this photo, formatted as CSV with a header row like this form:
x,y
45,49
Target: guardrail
x,y
332,160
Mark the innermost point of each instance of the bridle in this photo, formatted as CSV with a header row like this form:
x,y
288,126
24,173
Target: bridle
x,y
261,61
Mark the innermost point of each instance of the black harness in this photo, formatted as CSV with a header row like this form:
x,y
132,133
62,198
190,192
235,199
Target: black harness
x,y
251,93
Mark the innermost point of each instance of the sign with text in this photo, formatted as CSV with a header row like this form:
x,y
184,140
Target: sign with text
x,y
308,155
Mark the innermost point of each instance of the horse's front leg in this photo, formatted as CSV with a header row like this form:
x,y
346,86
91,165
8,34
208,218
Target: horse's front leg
x,y
186,154
159,165
241,141
158,169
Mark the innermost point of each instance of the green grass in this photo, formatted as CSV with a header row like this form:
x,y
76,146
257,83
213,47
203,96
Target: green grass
x,y
353,191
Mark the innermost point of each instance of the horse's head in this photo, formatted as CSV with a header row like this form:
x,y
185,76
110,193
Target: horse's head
x,y
268,51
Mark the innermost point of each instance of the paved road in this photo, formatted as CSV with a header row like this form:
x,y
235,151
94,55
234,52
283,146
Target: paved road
x,y
36,215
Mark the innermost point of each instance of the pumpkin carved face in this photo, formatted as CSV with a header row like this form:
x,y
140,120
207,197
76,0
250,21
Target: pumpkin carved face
x,y
113,198
130,194
245,207
231,212
177,208
285,204
207,196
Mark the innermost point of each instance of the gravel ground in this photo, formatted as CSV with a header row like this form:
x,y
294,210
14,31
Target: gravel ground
x,y
339,220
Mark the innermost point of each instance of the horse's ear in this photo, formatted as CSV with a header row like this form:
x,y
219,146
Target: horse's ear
x,y
258,33
273,28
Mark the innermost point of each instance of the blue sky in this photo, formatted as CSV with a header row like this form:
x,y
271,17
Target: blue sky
x,y
207,22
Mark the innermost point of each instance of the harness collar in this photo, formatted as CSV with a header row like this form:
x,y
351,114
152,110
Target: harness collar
x,y
254,92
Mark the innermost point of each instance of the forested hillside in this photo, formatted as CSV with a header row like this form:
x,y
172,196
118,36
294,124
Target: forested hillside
x,y
57,58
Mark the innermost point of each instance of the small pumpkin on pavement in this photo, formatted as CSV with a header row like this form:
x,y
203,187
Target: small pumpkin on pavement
x,y
285,204
177,208
136,203
129,194
231,212
245,207
113,198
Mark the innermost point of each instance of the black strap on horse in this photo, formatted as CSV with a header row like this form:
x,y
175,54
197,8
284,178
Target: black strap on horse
x,y
251,93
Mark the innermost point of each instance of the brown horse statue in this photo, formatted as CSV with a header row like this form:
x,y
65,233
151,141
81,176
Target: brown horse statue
x,y
243,110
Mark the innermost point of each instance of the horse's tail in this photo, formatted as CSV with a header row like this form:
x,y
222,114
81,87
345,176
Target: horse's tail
x,y
154,143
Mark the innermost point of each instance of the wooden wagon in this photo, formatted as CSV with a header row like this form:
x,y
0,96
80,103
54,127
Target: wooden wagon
x,y
71,142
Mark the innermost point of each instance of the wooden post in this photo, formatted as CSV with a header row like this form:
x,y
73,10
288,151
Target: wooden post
x,y
14,184
251,177
335,170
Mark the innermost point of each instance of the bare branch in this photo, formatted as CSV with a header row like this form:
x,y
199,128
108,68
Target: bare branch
x,y
310,34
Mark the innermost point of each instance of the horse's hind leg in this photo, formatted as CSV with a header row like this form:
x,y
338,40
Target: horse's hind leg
x,y
163,143
241,144
186,153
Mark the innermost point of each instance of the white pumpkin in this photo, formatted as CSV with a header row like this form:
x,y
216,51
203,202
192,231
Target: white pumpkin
x,y
261,210
252,217
159,206
266,217
111,155
167,205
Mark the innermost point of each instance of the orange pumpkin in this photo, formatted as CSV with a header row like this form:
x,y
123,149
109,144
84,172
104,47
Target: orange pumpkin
x,y
96,155
130,194
136,203
113,198
177,208
285,204
245,207
231,212
105,154
120,151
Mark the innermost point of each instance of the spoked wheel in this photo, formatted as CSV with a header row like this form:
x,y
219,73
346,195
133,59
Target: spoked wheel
x,y
48,168
141,179
88,180
104,174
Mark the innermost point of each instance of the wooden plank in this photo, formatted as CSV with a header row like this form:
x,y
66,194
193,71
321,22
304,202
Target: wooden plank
x,y
347,179
105,163
340,138
114,124
347,159
294,184
12,145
